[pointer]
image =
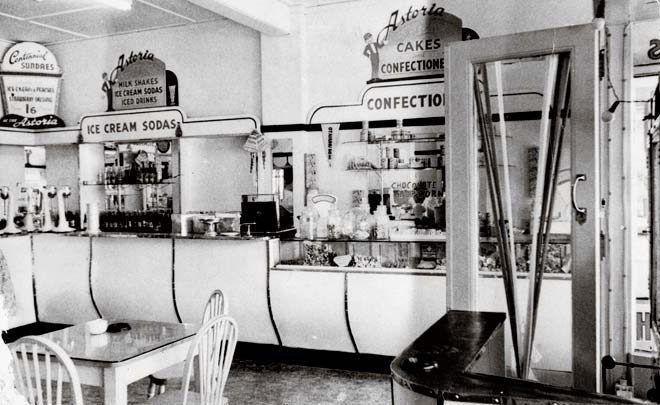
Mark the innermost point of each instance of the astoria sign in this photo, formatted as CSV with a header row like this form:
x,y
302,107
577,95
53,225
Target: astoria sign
x,y
412,43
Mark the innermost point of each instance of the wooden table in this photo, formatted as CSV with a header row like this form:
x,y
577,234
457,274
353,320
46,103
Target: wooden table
x,y
114,360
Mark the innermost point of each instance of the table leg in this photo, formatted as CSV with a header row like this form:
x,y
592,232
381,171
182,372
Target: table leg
x,y
114,387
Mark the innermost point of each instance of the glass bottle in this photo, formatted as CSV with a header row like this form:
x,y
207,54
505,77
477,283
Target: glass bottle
x,y
382,227
347,224
308,222
364,133
334,224
362,222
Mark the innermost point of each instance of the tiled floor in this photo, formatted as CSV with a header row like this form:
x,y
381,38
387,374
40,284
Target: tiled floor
x,y
255,383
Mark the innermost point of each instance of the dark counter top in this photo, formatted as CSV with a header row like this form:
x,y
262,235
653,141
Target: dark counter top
x,y
438,364
154,235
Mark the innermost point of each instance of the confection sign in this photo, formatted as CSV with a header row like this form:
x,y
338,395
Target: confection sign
x,y
139,80
30,86
411,44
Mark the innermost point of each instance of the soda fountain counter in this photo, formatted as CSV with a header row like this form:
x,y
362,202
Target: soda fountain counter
x,y
73,278
460,360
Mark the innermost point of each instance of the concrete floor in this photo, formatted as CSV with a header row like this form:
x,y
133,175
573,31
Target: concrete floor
x,y
252,382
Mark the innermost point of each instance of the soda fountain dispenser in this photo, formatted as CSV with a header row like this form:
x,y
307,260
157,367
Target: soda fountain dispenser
x,y
8,197
62,224
48,193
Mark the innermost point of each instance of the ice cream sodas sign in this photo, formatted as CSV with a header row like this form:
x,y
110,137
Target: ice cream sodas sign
x,y
412,43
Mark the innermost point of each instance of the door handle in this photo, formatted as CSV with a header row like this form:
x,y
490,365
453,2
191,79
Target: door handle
x,y
580,212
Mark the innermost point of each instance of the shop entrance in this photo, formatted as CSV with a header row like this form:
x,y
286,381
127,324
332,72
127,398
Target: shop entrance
x,y
523,187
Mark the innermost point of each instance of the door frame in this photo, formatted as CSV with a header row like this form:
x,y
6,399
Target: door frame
x,y
582,42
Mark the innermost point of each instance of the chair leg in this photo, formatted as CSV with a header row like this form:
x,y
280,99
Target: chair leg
x,y
156,383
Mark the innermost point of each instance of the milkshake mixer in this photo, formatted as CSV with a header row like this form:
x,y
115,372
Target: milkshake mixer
x,y
48,193
62,224
8,197
28,221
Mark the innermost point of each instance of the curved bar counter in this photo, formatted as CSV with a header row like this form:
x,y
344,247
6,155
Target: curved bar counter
x,y
460,359
76,277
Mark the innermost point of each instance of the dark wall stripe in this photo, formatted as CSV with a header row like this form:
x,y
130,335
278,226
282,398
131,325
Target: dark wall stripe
x,y
270,308
348,321
91,290
176,307
34,281
411,122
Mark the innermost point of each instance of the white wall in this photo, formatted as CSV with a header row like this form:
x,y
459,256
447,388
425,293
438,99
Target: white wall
x,y
215,173
217,65
337,70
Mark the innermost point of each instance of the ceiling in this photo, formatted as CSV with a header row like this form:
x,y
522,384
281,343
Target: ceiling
x,y
56,21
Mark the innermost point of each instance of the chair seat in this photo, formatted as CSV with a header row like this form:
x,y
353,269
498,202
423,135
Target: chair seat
x,y
175,397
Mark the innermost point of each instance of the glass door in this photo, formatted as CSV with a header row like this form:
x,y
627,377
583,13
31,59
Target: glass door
x,y
523,196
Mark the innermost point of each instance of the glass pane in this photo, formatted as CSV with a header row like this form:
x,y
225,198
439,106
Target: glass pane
x,y
525,207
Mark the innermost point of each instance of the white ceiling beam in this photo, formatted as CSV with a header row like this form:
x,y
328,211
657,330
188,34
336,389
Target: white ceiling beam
x,y
270,17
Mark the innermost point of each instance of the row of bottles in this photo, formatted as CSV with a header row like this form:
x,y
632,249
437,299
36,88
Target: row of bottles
x,y
356,223
135,174
397,134
136,221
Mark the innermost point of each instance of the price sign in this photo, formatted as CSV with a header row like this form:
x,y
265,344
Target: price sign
x,y
30,96
30,83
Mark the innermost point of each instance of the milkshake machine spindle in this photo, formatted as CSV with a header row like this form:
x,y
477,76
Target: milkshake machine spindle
x,y
48,193
6,194
28,220
62,224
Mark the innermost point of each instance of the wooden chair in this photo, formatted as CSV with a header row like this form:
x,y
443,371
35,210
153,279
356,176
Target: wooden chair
x,y
36,358
216,305
214,346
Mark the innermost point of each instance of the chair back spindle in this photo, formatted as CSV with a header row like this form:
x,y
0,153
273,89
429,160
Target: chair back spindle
x,y
216,305
214,343
33,355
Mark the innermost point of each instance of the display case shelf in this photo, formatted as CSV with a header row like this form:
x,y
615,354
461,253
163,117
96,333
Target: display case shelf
x,y
558,239
361,270
161,183
393,168
397,141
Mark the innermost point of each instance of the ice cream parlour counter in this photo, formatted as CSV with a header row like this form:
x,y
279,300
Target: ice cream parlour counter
x,y
165,277
376,296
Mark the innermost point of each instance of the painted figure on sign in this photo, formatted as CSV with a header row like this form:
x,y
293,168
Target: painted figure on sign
x,y
371,51
107,88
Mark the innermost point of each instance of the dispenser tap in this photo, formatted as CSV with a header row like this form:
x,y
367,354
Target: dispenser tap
x,y
62,224
7,195
48,193
28,220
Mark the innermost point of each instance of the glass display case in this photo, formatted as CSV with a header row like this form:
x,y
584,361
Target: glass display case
x,y
365,255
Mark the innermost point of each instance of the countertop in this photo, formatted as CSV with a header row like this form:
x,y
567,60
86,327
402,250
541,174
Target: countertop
x,y
148,235
455,342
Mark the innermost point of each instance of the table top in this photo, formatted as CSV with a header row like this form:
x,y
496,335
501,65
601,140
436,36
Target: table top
x,y
109,349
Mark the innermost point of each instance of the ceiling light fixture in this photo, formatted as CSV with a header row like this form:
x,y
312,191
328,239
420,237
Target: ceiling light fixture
x,y
123,5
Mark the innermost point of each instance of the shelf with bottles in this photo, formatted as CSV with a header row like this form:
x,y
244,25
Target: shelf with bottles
x,y
408,138
112,185
147,221
391,160
363,255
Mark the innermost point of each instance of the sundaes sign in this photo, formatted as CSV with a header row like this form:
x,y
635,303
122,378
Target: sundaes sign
x,y
412,43
30,87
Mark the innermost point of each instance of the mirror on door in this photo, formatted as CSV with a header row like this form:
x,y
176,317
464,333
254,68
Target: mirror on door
x,y
282,179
